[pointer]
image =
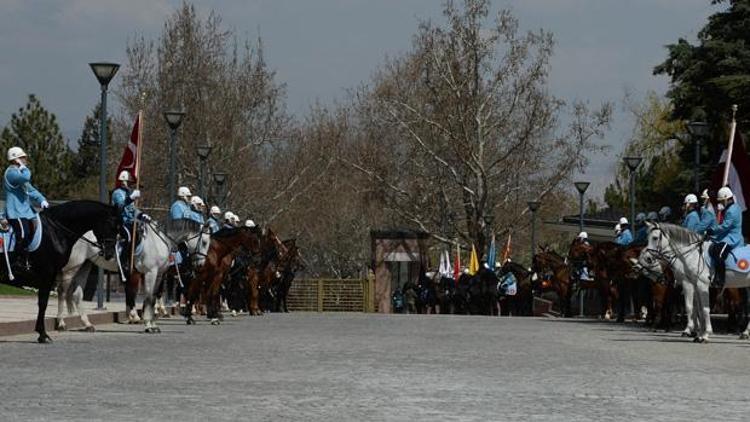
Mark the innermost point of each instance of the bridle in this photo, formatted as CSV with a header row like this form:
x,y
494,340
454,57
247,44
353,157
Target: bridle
x,y
666,256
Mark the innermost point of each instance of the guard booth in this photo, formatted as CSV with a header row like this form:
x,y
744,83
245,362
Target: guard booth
x,y
398,255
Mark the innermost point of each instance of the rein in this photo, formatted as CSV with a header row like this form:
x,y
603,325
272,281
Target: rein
x,y
55,223
669,257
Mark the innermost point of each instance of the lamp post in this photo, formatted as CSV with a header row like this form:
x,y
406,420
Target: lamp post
x,y
698,130
104,73
632,163
220,179
174,120
203,152
533,207
581,187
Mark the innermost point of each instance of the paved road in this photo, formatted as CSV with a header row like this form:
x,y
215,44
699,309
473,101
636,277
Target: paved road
x,y
351,367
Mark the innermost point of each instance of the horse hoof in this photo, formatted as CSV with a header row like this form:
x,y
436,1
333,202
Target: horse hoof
x,y
90,329
190,321
61,328
157,329
744,336
685,334
44,338
215,322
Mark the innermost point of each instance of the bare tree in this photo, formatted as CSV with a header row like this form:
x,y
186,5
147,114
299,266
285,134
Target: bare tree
x,y
462,130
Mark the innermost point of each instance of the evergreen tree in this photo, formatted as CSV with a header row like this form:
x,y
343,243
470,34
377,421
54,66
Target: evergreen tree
x,y
35,129
86,162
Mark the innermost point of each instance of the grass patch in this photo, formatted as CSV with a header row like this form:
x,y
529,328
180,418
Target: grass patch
x,y
6,290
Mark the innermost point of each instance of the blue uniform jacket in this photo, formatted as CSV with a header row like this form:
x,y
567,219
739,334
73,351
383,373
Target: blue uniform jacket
x,y
214,224
121,199
19,193
708,219
625,238
641,235
692,221
180,210
730,230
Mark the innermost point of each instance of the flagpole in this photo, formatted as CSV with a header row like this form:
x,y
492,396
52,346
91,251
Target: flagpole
x,y
138,149
728,162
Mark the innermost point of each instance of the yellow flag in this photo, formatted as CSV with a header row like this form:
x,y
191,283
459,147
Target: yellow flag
x,y
473,261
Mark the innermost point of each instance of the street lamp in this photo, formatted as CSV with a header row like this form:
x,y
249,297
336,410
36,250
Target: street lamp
x,y
203,152
104,73
533,207
220,179
174,120
632,163
698,130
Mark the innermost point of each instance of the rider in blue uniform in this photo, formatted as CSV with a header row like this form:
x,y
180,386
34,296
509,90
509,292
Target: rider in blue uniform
x,y
229,219
198,206
181,213
727,235
641,231
214,219
665,214
19,195
708,215
625,237
124,199
583,273
692,218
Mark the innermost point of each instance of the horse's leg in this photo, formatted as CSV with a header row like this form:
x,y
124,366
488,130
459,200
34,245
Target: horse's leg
x,y
705,309
131,291
42,301
62,288
688,291
149,284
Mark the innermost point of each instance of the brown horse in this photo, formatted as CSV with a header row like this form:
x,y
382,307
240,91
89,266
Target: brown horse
x,y
549,262
262,273
226,244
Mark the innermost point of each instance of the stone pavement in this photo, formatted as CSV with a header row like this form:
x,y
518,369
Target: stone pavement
x,y
23,308
367,367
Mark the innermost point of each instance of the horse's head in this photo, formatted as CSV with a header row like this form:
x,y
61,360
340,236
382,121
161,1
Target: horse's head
x,y
107,229
657,244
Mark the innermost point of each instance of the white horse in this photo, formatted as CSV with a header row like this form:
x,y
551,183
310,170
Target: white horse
x,y
686,252
152,262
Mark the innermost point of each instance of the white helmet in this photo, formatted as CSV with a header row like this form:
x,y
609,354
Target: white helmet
x,y
235,219
249,223
691,199
724,194
623,220
215,210
704,195
183,192
124,176
196,201
583,235
15,152
228,216
618,229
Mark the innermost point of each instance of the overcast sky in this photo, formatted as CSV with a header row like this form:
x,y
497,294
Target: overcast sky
x,y
322,47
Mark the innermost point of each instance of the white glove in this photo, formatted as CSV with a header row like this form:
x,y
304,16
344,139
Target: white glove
x,y
135,194
44,204
145,217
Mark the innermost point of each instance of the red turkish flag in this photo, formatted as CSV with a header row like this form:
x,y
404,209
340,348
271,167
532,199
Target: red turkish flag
x,y
129,155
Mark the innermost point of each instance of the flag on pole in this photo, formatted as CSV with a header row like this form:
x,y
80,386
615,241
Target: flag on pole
x,y
473,261
507,250
129,160
457,267
739,172
492,254
448,268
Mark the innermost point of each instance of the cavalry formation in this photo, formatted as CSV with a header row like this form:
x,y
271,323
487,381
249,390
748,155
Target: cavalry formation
x,y
201,259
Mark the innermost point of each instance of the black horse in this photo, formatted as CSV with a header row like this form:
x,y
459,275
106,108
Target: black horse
x,y
521,302
62,226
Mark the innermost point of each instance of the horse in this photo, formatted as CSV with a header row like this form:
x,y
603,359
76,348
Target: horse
x,y
264,269
154,251
62,226
549,261
445,290
288,266
521,302
683,250
225,245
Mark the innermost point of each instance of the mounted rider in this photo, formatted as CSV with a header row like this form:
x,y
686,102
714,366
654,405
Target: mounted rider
x,y
692,218
228,220
727,235
124,199
19,194
181,214
665,214
625,237
249,223
652,217
214,219
641,231
198,206
708,215
583,273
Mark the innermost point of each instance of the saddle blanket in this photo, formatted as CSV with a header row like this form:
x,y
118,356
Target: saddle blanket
x,y
509,285
8,238
737,261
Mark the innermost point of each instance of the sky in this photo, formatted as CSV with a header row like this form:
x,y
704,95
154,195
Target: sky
x,y
320,48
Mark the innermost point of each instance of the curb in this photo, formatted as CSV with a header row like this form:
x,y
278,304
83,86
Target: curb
x,y
14,328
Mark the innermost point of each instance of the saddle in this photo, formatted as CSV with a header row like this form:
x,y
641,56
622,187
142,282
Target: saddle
x,y
8,238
